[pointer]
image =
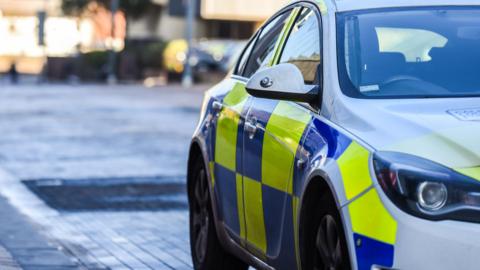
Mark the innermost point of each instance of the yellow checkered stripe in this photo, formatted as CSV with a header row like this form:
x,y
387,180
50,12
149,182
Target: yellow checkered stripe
x,y
254,216
470,172
370,218
368,215
226,144
284,131
227,127
287,124
354,167
240,203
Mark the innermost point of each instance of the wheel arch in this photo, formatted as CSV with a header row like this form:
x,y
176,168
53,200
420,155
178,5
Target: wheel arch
x,y
318,183
194,152
197,150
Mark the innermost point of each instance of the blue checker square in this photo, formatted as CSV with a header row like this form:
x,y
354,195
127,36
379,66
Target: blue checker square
x,y
228,201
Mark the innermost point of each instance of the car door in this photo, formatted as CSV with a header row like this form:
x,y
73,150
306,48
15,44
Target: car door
x,y
231,109
272,134
262,56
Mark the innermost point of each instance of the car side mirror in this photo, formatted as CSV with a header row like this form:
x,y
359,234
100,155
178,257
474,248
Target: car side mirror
x,y
283,82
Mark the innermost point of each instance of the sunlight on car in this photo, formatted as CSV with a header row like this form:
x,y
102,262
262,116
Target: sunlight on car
x,y
414,44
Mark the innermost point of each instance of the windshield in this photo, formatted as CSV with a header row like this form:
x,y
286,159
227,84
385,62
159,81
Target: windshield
x,y
410,53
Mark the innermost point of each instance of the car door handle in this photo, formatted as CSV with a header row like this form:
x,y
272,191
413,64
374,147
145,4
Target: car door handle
x,y
301,163
251,129
217,106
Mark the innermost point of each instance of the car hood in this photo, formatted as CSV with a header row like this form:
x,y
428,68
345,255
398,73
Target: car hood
x,y
446,131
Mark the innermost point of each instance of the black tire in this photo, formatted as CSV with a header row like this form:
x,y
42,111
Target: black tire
x,y
326,247
207,252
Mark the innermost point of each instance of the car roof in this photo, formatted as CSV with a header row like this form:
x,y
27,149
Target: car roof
x,y
351,5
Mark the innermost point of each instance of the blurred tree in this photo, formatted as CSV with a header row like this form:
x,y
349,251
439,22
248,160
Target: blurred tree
x,y
133,9
74,7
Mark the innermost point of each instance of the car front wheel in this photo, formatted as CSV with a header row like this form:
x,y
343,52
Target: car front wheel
x,y
326,245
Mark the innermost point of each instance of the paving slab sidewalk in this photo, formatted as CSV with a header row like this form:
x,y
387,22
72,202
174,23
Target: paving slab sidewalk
x,y
7,262
41,238
23,246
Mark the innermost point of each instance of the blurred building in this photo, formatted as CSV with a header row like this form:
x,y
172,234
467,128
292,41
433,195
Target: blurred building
x,y
66,36
19,33
63,36
216,19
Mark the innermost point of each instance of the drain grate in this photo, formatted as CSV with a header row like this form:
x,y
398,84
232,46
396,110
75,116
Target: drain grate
x,y
112,194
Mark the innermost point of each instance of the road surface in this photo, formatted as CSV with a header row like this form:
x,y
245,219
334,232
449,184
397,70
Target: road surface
x,y
93,177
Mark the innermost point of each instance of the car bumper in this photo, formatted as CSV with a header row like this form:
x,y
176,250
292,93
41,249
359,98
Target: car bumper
x,y
423,244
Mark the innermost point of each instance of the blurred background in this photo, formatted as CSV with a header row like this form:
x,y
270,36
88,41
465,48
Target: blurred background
x,y
97,109
70,40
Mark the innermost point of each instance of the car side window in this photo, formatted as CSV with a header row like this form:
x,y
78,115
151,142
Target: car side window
x,y
264,48
303,45
244,58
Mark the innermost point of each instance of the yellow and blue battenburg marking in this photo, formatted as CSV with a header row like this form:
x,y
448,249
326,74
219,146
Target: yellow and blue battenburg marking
x,y
374,229
258,185
471,172
373,226
256,197
285,130
225,162
252,170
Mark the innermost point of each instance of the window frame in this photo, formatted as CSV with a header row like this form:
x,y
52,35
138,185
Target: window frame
x,y
318,14
254,40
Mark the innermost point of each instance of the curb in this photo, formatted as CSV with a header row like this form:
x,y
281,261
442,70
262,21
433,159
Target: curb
x,y
20,197
23,243
7,262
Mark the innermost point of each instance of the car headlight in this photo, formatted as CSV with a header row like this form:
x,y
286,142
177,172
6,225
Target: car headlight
x,y
426,189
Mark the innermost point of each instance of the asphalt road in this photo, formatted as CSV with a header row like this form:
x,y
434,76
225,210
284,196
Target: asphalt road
x,y
93,177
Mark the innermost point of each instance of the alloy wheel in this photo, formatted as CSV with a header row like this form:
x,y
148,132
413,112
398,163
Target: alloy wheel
x,y
328,253
200,216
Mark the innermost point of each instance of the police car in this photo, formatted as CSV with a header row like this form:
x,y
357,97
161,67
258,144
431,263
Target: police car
x,y
346,137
